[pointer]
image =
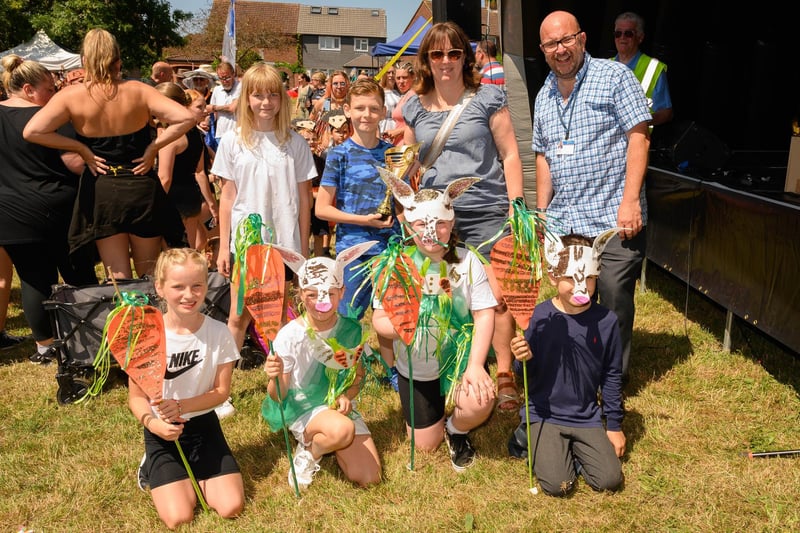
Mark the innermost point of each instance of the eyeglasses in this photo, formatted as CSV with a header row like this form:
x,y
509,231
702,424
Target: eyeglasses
x,y
225,78
454,54
339,84
566,42
626,33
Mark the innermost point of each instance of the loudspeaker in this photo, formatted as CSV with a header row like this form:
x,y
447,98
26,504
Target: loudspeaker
x,y
690,147
465,13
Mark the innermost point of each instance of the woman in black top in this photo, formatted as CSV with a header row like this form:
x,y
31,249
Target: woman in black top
x,y
37,191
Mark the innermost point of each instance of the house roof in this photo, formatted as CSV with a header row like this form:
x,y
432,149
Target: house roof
x,y
349,22
280,18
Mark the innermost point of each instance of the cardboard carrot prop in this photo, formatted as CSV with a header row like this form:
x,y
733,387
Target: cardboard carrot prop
x,y
134,336
248,233
265,289
516,262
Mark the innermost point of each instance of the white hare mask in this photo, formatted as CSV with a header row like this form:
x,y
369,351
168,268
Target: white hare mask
x,y
428,205
322,273
576,262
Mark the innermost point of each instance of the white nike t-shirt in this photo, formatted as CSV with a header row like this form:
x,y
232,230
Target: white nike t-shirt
x,y
192,361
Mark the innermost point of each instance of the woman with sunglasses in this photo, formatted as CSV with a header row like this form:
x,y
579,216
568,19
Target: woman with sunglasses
x,y
482,144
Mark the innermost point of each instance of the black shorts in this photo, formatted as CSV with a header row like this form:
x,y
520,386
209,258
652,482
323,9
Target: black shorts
x,y
204,446
428,402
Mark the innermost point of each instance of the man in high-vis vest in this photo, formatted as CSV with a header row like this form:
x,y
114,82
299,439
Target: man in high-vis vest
x,y
651,73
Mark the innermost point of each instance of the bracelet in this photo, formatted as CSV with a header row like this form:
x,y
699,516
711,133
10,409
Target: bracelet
x,y
178,403
144,419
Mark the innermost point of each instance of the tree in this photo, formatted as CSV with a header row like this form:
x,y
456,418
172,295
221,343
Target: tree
x,y
142,27
253,34
15,21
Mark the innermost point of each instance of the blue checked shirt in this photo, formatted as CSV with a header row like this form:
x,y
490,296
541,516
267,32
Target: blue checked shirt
x,y
607,101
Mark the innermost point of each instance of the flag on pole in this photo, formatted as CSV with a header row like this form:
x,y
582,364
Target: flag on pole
x,y
229,37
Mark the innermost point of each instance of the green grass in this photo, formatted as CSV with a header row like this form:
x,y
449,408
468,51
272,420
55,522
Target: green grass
x,y
692,410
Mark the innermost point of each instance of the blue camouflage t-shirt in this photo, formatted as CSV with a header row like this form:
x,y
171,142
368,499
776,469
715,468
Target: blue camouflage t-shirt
x,y
350,169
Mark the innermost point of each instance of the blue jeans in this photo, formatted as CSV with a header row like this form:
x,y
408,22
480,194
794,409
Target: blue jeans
x,y
354,276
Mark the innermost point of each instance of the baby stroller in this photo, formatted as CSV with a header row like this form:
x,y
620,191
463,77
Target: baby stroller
x,y
78,315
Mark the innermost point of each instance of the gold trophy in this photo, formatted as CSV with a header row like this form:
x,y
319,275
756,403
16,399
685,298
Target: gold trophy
x,y
398,161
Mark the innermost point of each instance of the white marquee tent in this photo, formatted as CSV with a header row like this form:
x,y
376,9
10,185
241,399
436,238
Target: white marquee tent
x,y
42,49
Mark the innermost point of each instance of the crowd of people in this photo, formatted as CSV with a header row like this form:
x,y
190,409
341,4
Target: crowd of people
x,y
134,174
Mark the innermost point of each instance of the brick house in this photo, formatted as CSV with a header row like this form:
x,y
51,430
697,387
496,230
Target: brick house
x,y
322,38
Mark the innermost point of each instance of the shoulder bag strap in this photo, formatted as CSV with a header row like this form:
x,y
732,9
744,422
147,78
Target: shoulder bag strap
x,y
444,132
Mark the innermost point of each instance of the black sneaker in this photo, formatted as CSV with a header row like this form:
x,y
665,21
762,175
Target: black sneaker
x,y
39,358
141,478
462,454
8,341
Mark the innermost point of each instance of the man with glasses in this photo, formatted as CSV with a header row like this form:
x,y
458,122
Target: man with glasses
x,y
651,73
590,135
224,99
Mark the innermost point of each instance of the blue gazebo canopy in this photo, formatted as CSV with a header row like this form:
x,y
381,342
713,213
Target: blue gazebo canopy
x,y
392,47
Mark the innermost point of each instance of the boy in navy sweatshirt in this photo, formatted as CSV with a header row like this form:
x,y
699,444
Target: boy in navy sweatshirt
x,y
572,349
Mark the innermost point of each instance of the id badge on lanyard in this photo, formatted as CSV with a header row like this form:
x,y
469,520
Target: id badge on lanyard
x,y
566,147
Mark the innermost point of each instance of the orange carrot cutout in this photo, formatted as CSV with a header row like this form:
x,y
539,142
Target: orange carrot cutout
x,y
264,289
517,275
401,297
137,341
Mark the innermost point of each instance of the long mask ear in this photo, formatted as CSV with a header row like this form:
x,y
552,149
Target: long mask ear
x,y
458,187
400,189
552,247
292,259
601,241
349,255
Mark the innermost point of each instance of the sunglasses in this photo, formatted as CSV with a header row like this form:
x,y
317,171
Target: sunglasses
x,y
626,33
454,54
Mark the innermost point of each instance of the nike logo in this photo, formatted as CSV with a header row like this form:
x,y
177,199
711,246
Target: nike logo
x,y
181,362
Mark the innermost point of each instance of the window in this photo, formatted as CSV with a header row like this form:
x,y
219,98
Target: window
x,y
361,45
315,10
333,11
330,43
375,13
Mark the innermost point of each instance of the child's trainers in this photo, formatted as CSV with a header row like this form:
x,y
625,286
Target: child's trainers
x,y
462,454
304,468
225,409
141,478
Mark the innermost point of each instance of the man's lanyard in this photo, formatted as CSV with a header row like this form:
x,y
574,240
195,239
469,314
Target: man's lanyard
x,y
570,107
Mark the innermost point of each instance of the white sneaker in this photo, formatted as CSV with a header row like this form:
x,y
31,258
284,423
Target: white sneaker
x,y
141,478
304,468
225,409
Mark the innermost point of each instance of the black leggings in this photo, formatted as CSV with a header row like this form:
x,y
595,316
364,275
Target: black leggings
x,y
38,265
